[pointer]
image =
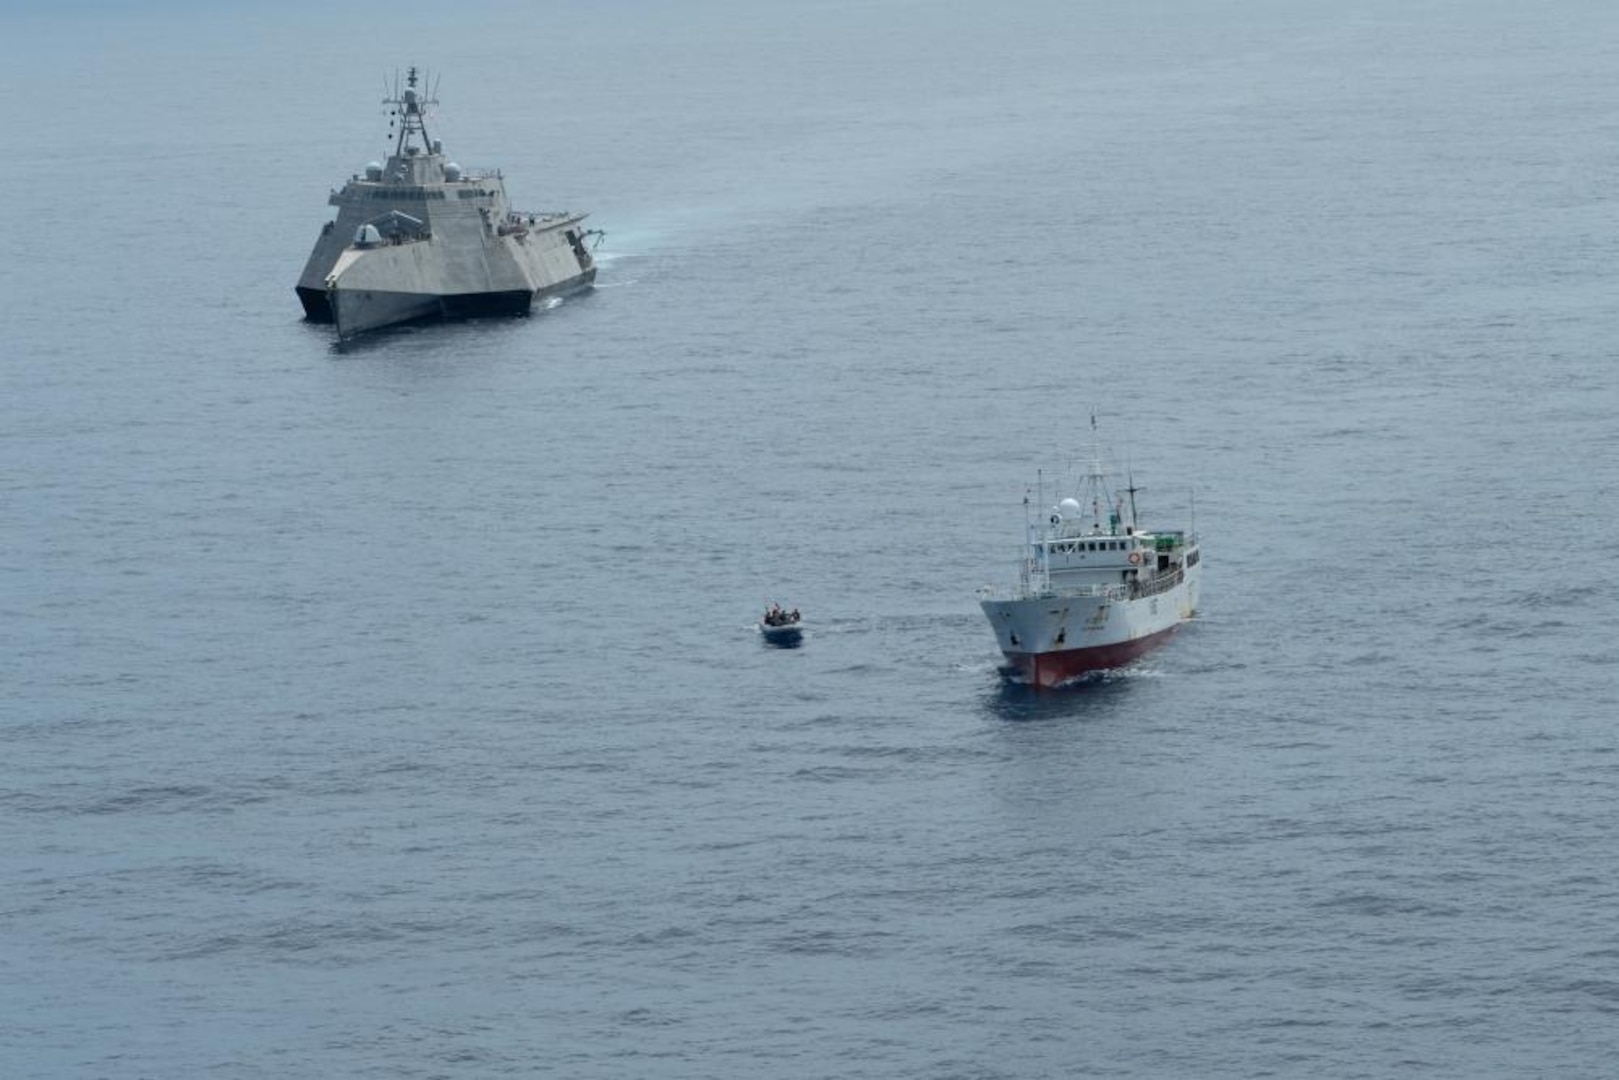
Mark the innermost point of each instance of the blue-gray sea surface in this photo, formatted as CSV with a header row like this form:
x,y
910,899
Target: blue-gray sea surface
x,y
397,712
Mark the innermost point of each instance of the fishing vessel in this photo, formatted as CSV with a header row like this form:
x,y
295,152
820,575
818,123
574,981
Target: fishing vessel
x,y
1094,589
419,238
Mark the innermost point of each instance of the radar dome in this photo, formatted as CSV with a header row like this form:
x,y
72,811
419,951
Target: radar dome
x,y
1069,507
367,234
373,170
452,172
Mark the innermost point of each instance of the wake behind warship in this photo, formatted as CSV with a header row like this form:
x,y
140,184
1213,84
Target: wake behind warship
x,y
421,238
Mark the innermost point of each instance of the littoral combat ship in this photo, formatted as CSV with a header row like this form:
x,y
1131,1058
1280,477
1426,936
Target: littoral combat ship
x,y
1094,590
422,238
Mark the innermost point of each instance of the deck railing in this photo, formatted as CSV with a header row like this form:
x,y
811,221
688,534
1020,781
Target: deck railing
x,y
1034,581
1162,583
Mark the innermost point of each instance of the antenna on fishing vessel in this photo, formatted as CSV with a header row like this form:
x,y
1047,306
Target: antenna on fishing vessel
x,y
1094,485
1131,491
1028,519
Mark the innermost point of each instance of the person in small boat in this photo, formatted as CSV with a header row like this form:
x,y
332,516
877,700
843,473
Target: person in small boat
x,y
775,616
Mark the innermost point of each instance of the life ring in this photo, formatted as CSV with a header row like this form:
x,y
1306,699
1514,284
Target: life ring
x,y
1135,558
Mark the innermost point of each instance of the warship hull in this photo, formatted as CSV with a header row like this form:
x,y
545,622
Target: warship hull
x,y
362,311
316,309
408,307
372,288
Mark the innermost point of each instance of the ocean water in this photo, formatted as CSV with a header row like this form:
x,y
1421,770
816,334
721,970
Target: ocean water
x,y
396,711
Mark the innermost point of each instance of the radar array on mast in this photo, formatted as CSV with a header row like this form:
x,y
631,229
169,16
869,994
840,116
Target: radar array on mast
x,y
409,109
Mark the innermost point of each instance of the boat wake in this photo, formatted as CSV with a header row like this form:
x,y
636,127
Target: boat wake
x,y
1015,676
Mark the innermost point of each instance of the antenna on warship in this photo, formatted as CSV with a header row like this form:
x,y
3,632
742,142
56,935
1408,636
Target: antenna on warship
x,y
410,105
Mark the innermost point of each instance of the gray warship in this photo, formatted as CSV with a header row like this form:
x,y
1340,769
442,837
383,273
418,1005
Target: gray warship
x,y
421,238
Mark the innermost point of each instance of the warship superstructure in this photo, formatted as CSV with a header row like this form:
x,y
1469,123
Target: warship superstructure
x,y
422,238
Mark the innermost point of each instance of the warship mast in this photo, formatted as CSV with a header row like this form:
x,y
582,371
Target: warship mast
x,y
410,106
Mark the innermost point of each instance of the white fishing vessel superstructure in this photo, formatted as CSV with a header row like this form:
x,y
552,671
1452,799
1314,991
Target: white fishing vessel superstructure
x,y
1094,590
